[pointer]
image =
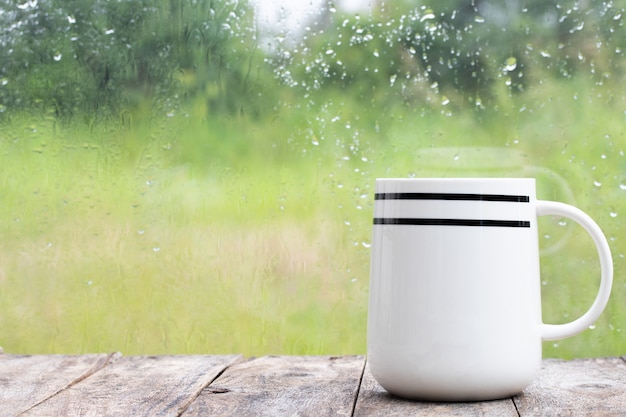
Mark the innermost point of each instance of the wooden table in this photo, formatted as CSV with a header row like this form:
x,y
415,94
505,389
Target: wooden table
x,y
229,385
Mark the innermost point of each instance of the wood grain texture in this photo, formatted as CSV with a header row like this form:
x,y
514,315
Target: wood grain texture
x,y
138,386
375,401
581,387
113,385
27,380
283,386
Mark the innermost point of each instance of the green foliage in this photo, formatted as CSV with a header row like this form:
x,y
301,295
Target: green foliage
x,y
467,51
99,56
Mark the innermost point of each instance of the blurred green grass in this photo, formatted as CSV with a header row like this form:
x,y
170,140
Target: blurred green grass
x,y
200,234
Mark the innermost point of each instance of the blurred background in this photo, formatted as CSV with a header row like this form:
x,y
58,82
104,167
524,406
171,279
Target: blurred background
x,y
196,176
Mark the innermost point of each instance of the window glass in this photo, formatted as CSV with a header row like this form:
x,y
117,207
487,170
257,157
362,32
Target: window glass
x,y
193,176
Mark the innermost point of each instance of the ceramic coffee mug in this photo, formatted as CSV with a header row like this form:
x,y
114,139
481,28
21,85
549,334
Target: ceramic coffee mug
x,y
455,298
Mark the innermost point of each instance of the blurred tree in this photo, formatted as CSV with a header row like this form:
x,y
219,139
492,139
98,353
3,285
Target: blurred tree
x,y
468,51
72,56
469,46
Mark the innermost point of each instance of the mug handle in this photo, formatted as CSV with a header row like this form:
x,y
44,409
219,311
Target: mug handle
x,y
560,331
566,193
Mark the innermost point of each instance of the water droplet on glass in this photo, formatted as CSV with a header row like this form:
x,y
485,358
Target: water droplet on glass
x,y
479,19
428,15
27,5
563,223
510,64
598,184
366,245
613,214
592,327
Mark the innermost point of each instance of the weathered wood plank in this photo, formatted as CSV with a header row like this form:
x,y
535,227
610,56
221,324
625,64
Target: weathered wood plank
x,y
375,401
27,380
138,386
65,385
580,387
283,386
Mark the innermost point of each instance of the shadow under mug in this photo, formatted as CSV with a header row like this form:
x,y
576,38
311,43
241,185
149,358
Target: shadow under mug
x,y
455,297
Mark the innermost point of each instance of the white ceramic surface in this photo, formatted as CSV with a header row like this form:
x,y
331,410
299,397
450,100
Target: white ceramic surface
x,y
455,300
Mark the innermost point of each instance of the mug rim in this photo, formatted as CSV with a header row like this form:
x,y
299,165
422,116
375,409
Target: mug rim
x,y
465,186
455,179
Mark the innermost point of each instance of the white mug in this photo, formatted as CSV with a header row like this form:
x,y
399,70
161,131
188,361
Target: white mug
x,y
455,297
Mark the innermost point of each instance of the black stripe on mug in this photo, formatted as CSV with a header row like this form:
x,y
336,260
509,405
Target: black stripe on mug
x,y
452,196
452,222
